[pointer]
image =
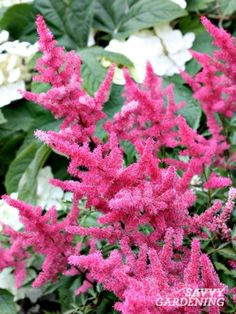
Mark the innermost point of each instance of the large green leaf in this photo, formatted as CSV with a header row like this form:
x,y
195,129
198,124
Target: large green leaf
x,y
69,20
2,118
202,43
19,21
19,116
122,17
23,118
8,146
93,72
18,166
28,183
7,305
227,252
191,111
228,7
196,5
115,101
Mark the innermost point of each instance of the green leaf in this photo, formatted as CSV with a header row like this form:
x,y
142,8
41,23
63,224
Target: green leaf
x,y
233,237
70,21
18,166
65,294
197,5
8,146
115,101
28,182
19,20
202,43
38,87
220,266
228,253
191,111
191,23
7,305
228,7
2,118
23,118
114,57
19,117
2,11
122,18
93,72
130,152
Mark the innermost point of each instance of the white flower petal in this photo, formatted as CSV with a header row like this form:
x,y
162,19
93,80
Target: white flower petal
x,y
181,57
2,78
8,3
10,92
173,41
14,75
119,77
47,194
181,3
3,57
9,215
188,40
12,61
162,30
4,35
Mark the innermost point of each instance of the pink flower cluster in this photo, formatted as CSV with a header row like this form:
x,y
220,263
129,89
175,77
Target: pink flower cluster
x,y
144,207
214,86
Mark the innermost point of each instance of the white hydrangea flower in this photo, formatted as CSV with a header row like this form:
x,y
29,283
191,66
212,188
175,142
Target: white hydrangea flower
x,y
181,3
9,3
9,215
14,59
47,194
4,35
166,49
176,47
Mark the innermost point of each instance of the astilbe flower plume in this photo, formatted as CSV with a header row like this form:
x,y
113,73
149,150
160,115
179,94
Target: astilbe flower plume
x,y
144,266
43,233
66,97
214,85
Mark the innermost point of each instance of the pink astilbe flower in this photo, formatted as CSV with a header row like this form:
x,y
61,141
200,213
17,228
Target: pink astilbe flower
x,y
214,85
232,263
221,221
139,284
145,114
15,256
136,195
43,233
66,98
217,182
216,217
